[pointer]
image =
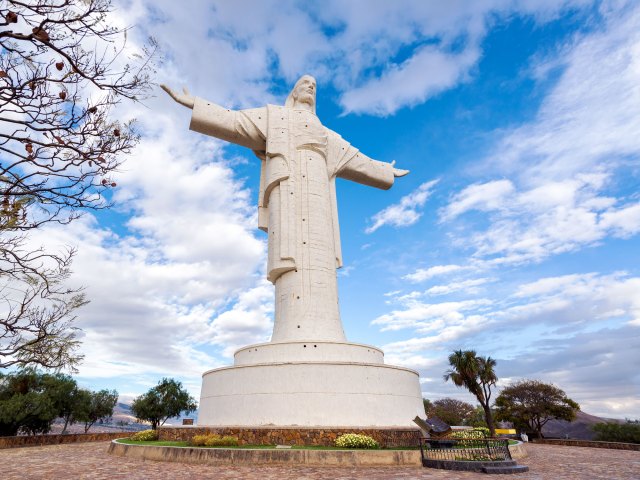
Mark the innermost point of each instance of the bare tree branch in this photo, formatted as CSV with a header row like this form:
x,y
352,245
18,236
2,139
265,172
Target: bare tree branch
x,y
63,68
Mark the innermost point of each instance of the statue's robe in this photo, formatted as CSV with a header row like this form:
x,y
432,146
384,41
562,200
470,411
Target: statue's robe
x,y
300,160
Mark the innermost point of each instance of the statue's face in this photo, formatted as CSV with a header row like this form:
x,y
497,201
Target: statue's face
x,y
305,91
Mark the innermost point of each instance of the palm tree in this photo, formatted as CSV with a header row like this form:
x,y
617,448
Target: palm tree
x,y
477,375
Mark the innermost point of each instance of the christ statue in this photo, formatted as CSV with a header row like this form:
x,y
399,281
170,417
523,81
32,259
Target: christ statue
x,y
300,160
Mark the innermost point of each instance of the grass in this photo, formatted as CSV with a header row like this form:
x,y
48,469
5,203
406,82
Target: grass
x,y
157,443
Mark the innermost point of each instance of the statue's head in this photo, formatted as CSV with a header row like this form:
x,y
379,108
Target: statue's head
x,y
303,94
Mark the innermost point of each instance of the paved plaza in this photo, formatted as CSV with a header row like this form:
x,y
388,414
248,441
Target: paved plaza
x,y
91,461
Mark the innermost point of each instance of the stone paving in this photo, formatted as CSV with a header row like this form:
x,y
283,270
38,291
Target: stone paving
x,y
91,461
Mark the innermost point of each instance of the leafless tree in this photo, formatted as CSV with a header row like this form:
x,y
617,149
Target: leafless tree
x,y
63,67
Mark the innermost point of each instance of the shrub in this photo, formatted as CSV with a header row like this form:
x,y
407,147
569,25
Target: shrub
x,y
476,433
198,440
145,436
354,440
213,440
618,432
218,441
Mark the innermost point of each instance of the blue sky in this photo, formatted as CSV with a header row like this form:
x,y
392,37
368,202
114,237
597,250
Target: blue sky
x,y
516,233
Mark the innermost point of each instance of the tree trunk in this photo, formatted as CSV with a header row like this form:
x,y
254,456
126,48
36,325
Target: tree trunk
x,y
66,422
488,417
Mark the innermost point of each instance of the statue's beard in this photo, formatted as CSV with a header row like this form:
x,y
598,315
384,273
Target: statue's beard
x,y
307,98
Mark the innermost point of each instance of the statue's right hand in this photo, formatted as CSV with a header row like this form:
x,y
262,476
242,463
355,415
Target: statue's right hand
x,y
184,98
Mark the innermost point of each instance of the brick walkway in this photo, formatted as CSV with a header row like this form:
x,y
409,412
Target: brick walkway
x,y
91,461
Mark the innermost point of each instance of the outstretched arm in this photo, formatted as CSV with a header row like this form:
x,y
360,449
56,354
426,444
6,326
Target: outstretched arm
x,y
245,127
360,168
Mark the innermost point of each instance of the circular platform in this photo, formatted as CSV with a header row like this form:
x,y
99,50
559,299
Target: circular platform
x,y
308,351
311,394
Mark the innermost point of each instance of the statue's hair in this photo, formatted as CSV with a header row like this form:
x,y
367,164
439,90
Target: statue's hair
x,y
290,100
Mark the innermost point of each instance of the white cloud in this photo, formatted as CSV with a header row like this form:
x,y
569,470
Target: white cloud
x,y
580,331
585,123
248,321
485,196
404,213
427,317
623,222
428,72
422,274
283,39
467,286
563,166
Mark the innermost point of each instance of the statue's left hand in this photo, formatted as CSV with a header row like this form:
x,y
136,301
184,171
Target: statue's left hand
x,y
398,172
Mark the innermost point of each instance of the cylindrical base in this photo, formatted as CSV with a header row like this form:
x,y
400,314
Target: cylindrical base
x,y
310,394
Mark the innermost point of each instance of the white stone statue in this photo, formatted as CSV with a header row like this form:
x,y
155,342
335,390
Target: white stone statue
x,y
300,160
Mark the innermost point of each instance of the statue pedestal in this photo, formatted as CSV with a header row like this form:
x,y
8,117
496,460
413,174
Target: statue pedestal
x,y
310,384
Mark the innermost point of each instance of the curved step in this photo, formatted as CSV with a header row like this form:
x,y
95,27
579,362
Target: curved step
x,y
506,470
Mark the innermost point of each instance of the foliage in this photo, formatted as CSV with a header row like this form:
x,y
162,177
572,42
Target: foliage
x,y
472,434
25,404
94,406
62,70
477,375
628,432
451,411
165,400
355,440
145,436
477,418
213,440
427,406
63,391
479,457
531,404
30,401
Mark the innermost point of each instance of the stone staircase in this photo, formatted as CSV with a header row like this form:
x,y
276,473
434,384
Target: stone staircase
x,y
504,467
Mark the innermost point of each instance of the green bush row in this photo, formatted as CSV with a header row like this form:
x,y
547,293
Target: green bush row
x,y
354,440
145,436
476,433
618,432
213,440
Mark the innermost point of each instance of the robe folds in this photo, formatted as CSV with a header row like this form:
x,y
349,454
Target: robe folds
x,y
297,207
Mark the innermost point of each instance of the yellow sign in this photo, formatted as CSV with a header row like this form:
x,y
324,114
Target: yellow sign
x,y
505,431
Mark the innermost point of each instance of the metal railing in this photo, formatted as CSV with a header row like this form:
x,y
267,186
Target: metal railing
x,y
465,450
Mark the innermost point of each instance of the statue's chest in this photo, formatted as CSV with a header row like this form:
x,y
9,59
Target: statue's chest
x,y
308,132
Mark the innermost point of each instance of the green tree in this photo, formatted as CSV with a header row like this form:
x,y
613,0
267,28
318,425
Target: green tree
x,y
93,406
477,375
628,432
27,403
427,406
165,400
63,69
531,404
451,411
477,417
62,390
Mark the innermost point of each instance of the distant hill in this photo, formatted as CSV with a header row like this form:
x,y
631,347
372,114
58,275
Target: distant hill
x,y
579,429
122,413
